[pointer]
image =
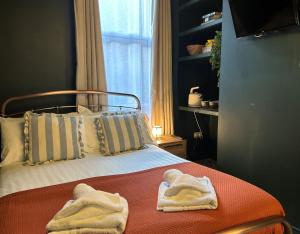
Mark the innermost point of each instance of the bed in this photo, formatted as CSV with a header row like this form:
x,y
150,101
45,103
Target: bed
x,y
31,195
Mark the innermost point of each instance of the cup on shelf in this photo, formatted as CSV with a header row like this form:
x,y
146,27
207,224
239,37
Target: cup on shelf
x,y
204,103
213,104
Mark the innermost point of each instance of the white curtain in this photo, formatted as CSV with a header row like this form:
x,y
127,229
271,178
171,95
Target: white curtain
x,y
90,72
127,38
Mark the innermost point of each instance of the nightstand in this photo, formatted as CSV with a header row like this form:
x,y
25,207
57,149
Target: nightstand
x,y
173,144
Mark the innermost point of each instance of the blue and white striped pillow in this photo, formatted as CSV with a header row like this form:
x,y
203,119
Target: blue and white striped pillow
x,y
51,137
143,122
119,133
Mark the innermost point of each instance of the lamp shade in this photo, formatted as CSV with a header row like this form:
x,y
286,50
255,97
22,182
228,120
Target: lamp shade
x,y
157,131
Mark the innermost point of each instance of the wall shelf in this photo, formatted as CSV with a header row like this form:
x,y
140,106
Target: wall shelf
x,y
200,110
204,56
189,4
207,26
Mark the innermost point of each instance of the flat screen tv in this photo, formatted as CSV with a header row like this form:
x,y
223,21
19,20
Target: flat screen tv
x,y
254,17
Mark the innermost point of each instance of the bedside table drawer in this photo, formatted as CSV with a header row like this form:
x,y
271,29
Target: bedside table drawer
x,y
178,148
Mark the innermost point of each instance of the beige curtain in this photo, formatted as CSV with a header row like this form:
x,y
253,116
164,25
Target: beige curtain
x,y
90,72
162,95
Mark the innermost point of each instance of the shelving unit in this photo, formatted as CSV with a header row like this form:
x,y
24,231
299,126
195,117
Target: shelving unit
x,y
189,4
190,71
200,110
207,26
200,57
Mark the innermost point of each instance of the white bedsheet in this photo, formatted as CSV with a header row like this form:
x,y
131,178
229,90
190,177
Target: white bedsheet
x,y
20,177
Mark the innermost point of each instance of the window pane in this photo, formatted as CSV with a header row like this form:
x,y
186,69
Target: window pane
x,y
126,30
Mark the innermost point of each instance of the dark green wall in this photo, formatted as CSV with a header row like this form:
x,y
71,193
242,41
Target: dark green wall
x,y
37,47
259,122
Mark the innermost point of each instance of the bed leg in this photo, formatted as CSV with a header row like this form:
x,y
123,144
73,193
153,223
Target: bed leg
x,y
287,227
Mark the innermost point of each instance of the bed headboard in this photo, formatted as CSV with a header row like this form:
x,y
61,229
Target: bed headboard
x,y
58,108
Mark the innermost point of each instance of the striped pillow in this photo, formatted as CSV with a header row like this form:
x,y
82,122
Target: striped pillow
x,y
143,122
51,137
119,133
88,129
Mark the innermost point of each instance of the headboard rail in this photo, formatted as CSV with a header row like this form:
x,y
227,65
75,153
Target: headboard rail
x,y
67,92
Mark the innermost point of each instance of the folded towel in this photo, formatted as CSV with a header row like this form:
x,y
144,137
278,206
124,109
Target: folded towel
x,y
179,192
82,189
91,211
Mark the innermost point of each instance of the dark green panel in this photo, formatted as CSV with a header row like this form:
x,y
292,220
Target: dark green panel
x,y
37,47
259,127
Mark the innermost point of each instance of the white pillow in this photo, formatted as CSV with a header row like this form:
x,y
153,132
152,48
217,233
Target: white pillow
x,y
89,135
12,140
88,130
83,110
145,126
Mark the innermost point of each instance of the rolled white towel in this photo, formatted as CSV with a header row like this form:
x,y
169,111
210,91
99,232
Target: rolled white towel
x,y
94,210
81,190
180,192
170,175
186,181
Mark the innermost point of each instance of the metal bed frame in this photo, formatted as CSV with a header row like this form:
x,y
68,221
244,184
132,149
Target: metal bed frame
x,y
240,229
66,92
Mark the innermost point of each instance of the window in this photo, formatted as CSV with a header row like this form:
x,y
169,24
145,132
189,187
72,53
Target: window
x,y
127,37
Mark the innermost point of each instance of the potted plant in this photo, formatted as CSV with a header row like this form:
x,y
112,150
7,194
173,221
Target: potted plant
x,y
215,58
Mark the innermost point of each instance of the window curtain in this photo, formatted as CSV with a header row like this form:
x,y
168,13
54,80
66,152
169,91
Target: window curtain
x,y
90,65
162,95
127,39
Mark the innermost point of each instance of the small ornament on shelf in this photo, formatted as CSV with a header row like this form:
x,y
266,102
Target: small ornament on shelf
x,y
211,17
208,46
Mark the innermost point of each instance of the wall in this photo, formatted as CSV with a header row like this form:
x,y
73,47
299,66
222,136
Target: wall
x,y
37,47
259,122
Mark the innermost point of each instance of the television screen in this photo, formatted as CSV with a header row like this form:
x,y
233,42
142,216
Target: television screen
x,y
258,16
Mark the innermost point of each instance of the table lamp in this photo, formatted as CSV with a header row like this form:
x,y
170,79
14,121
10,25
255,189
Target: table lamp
x,y
157,131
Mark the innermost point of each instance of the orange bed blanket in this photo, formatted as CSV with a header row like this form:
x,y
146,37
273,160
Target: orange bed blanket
x,y
28,212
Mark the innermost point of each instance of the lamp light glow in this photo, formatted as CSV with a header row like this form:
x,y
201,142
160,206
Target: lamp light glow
x,y
157,131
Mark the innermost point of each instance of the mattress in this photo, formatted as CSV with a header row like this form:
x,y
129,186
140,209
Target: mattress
x,y
19,177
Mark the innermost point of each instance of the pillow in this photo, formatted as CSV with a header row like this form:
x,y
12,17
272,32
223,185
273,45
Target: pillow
x,y
143,122
89,131
146,128
51,137
119,133
84,110
12,140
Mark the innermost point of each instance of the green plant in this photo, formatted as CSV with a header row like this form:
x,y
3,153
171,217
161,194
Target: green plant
x,y
215,58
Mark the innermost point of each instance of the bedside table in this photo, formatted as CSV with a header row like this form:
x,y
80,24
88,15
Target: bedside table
x,y
173,144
